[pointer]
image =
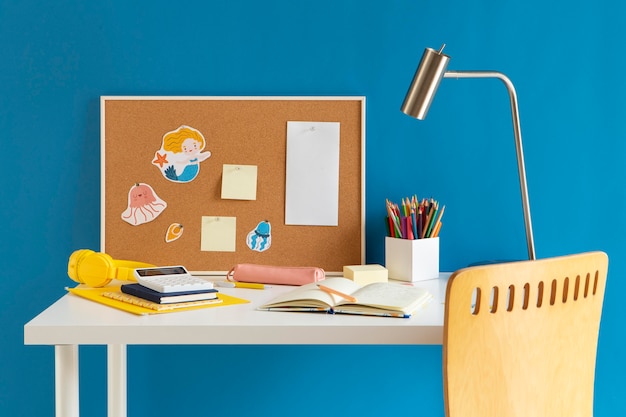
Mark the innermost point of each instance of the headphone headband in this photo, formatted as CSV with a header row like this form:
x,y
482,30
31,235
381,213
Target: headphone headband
x,y
97,269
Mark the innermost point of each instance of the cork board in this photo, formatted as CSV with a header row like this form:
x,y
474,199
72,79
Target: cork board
x,y
169,226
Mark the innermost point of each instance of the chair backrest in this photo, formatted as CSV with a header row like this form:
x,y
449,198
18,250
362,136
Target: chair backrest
x,y
520,338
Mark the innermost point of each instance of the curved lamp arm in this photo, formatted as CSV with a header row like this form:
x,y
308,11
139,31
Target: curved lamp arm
x,y
517,131
431,70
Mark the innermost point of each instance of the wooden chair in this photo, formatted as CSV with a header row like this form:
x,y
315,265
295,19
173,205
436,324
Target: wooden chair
x,y
520,338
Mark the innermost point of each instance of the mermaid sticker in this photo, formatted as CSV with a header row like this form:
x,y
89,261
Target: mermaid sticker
x,y
180,154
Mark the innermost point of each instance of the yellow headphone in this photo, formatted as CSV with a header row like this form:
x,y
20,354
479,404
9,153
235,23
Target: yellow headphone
x,y
97,269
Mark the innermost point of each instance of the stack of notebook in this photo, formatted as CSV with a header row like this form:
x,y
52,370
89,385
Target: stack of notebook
x,y
159,290
146,293
123,297
145,298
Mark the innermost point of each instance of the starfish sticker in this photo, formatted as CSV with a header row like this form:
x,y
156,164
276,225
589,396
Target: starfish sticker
x,y
160,159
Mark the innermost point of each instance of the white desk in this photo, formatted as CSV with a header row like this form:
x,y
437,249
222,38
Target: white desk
x,y
72,321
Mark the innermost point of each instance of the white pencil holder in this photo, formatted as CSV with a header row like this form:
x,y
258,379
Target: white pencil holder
x,y
412,260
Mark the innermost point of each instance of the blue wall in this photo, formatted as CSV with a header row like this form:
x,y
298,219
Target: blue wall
x,y
566,59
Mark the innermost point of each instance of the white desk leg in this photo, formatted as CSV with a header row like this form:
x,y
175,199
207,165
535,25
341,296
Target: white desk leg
x,y
66,380
116,380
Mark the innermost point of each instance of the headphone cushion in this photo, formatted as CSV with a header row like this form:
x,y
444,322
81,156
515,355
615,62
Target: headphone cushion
x,y
91,268
75,260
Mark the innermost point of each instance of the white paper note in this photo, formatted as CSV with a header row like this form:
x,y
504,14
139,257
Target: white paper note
x,y
312,174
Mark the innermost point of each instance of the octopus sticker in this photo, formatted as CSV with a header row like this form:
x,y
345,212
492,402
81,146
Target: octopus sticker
x,y
143,205
260,239
180,154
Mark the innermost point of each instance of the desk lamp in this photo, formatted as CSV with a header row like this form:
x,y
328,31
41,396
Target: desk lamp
x,y
431,70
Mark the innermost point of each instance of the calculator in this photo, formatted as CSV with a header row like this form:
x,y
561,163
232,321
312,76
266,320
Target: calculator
x,y
167,279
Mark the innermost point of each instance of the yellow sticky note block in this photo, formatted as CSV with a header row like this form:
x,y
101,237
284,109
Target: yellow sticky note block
x,y
218,234
239,182
366,274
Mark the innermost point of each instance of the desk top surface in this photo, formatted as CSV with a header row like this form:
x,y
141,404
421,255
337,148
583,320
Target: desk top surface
x,y
76,321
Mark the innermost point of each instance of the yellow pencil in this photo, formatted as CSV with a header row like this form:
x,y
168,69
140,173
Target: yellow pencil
x,y
252,285
438,222
236,284
437,227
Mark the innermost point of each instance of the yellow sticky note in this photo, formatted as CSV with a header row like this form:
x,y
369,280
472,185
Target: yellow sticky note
x,y
239,182
366,274
218,234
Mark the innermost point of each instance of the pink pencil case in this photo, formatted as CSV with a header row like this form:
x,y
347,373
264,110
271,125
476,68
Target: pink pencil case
x,y
281,275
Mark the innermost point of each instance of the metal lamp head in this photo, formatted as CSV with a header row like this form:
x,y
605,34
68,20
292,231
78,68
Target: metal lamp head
x,y
425,82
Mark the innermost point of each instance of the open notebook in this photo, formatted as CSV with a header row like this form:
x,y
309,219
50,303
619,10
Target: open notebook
x,y
377,299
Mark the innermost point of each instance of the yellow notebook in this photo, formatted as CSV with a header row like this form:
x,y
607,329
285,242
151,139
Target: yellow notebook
x,y
112,296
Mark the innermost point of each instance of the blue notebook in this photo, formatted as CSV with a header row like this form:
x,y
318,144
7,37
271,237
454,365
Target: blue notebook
x,y
140,291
